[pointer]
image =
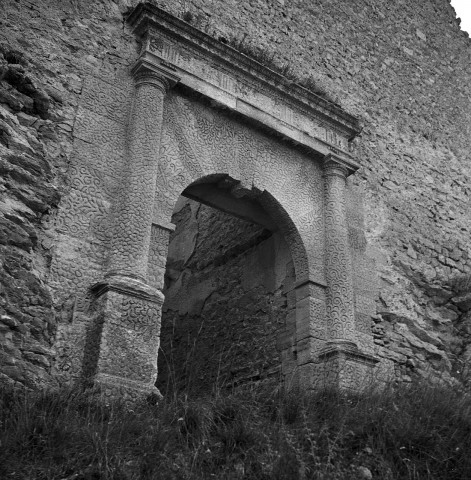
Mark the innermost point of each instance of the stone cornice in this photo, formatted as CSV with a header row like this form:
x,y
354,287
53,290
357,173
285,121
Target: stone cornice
x,y
241,84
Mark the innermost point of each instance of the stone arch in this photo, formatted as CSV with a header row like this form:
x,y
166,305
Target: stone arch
x,y
277,218
200,109
180,139
202,145
200,142
214,157
285,249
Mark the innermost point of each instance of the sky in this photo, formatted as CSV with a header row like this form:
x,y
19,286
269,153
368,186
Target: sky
x,y
463,11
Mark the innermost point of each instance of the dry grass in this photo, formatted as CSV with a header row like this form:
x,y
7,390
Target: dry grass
x,y
264,57
420,432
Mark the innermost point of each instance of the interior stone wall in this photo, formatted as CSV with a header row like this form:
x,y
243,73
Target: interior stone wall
x,y
402,67
226,303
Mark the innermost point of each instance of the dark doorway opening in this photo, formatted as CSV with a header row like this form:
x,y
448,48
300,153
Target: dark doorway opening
x,y
226,287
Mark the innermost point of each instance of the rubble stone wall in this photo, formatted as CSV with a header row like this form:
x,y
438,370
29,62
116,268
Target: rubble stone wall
x,y
402,67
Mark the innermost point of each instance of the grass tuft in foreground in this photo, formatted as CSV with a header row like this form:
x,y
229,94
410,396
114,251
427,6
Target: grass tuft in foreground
x,y
419,432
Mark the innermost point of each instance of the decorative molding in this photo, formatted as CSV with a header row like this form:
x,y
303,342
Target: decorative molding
x,y
346,350
126,285
309,282
242,85
115,382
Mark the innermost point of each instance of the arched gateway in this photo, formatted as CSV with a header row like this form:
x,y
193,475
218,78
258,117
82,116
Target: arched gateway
x,y
194,115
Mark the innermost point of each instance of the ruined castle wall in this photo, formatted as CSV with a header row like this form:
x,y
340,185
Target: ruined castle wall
x,y
226,301
402,67
48,51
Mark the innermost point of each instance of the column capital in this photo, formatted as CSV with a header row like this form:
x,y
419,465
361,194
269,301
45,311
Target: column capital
x,y
147,71
335,165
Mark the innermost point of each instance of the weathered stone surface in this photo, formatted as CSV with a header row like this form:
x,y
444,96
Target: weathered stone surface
x,y
28,192
407,81
463,302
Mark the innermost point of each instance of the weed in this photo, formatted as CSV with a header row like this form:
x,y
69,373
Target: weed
x,y
415,432
260,55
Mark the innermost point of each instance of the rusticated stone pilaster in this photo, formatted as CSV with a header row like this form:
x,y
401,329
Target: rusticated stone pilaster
x,y
158,250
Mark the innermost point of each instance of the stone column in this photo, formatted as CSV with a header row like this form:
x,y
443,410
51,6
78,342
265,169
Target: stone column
x,y
128,308
133,221
344,365
338,264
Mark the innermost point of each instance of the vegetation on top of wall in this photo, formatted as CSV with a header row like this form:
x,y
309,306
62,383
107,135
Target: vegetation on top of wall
x,y
416,432
267,60
262,56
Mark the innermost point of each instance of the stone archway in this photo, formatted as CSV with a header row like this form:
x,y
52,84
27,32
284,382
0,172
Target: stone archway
x,y
202,110
227,284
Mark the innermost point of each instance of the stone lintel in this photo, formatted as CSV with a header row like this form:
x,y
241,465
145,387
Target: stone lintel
x,y
126,285
346,350
241,84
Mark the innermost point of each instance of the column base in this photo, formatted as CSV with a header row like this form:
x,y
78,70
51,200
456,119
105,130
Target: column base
x,y
346,367
110,387
128,314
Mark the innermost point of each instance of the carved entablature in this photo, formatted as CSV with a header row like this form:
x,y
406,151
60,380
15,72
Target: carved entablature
x,y
238,83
